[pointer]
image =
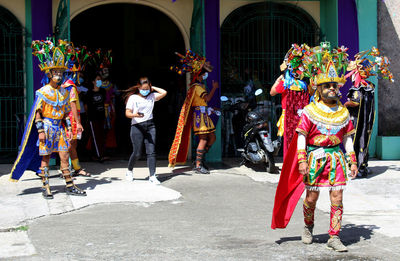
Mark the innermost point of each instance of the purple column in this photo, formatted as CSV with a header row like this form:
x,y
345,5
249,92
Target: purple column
x,y
348,33
212,35
42,27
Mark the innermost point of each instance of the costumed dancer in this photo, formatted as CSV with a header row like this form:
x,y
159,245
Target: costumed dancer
x,y
103,58
314,160
361,102
293,88
81,58
45,130
195,106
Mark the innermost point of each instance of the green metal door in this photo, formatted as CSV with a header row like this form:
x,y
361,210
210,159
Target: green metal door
x,y
63,25
254,41
11,84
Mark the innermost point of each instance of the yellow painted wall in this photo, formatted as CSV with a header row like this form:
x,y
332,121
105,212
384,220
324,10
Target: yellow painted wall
x,y
311,7
16,7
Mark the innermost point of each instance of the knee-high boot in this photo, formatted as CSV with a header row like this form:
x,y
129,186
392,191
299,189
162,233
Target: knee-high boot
x,y
46,191
71,188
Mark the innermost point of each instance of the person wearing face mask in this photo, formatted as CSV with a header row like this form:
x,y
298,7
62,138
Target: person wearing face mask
x,y
139,107
49,127
195,112
314,160
94,106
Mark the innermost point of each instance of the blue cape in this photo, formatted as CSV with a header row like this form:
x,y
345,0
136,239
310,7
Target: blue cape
x,y
28,156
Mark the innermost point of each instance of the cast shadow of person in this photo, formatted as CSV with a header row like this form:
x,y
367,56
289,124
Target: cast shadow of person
x,y
90,184
350,234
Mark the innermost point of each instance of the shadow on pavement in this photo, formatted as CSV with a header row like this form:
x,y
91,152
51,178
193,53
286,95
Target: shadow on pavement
x,y
90,183
350,234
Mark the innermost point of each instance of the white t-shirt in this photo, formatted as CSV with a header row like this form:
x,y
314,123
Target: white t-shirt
x,y
145,105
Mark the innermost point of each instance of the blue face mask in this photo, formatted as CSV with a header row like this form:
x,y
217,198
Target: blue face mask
x,y
99,83
205,76
144,92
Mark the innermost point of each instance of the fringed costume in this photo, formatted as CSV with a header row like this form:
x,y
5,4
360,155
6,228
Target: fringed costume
x,y
194,113
361,100
320,131
52,104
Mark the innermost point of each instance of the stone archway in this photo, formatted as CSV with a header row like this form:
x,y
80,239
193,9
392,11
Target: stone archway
x,y
143,40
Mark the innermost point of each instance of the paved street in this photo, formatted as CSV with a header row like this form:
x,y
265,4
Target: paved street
x,y
222,216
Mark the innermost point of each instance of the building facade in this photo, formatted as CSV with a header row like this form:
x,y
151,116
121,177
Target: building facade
x,y
242,38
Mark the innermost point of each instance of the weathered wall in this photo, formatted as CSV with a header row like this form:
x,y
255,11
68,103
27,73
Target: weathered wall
x,y
388,44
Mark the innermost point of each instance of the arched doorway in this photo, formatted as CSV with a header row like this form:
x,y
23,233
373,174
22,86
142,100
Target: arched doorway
x,y
254,40
143,41
11,84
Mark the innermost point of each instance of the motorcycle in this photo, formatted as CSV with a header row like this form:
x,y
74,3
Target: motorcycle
x,y
258,146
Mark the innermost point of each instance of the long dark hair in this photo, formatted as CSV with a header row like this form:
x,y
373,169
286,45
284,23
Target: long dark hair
x,y
135,89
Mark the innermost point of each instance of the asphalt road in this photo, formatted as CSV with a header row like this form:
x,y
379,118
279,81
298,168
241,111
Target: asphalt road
x,y
219,217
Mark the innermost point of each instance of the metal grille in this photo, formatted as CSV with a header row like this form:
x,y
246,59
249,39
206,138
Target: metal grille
x,y
255,39
11,81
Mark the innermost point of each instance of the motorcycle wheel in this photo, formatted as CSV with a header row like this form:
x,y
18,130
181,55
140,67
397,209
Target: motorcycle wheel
x,y
271,168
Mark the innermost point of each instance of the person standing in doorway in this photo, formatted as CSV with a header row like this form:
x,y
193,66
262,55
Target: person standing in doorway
x,y
139,107
94,106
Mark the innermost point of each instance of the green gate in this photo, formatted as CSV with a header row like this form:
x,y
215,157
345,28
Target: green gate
x,y
63,25
11,84
254,41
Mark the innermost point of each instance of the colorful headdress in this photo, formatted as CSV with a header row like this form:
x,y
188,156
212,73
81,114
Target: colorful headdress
x,y
325,65
51,56
368,63
294,60
191,63
81,59
100,59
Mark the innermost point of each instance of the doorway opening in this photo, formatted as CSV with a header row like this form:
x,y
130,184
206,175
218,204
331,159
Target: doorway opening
x,y
12,84
143,41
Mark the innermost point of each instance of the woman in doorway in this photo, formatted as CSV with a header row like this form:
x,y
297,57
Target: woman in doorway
x,y
94,105
139,107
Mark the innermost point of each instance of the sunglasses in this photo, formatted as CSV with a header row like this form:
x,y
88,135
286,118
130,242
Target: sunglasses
x,y
144,81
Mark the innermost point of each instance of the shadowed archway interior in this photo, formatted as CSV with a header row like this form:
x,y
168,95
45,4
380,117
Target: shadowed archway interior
x,y
143,41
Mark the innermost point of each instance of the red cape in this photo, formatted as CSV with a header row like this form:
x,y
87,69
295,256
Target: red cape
x,y
290,188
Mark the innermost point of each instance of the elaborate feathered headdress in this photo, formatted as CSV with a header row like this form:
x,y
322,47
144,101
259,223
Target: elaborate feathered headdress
x,y
81,59
101,58
51,56
191,63
368,63
325,65
295,58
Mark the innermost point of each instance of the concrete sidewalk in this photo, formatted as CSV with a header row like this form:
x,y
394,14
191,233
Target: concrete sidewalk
x,y
21,201
374,200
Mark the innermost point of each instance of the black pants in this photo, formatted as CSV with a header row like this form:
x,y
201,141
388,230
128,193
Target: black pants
x,y
144,131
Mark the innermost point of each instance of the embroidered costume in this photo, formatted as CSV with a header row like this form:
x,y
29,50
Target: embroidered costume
x,y
322,128
362,102
294,92
195,111
52,104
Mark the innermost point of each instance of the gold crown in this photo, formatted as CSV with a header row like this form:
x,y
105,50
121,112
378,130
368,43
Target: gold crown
x,y
52,57
330,75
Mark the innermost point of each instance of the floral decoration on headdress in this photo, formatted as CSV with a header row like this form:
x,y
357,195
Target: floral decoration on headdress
x,y
366,64
295,60
191,63
51,56
326,65
101,58
81,59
